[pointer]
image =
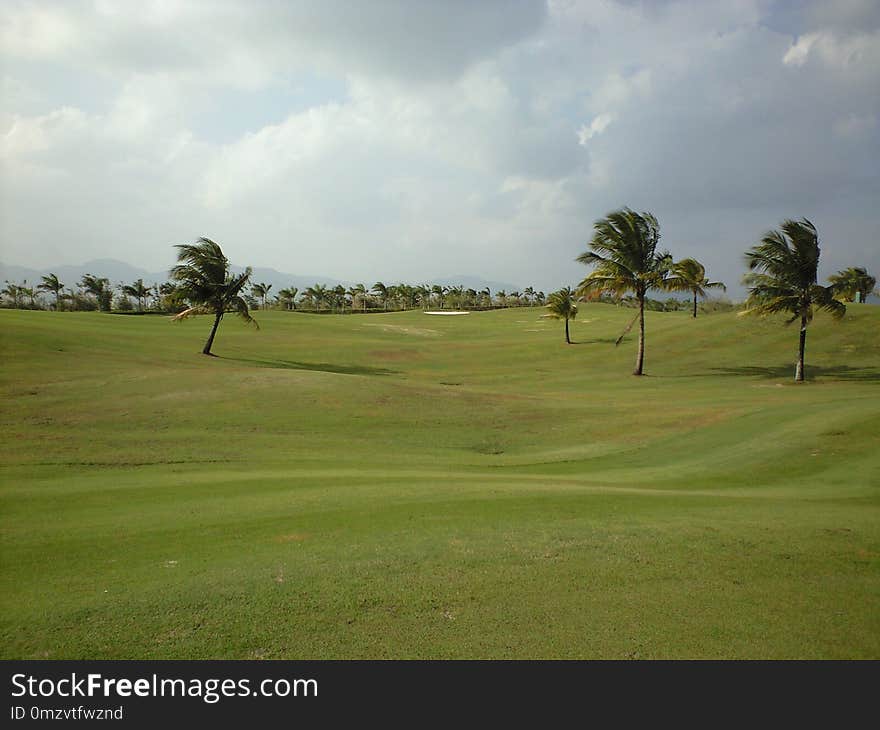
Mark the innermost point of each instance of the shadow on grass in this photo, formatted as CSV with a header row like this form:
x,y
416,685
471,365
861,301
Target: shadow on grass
x,y
811,372
596,341
325,367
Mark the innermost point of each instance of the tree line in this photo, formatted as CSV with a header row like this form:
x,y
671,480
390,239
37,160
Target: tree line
x,y
92,293
95,293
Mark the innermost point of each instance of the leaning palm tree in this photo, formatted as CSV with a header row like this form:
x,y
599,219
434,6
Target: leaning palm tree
x,y
853,284
624,252
203,278
784,272
51,283
690,275
560,305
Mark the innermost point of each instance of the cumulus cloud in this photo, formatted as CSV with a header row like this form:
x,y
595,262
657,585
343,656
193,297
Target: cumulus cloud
x,y
404,140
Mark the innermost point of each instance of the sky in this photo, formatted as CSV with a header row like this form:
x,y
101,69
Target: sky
x,y
412,140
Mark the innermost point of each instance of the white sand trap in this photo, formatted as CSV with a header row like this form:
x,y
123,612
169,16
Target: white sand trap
x,y
450,313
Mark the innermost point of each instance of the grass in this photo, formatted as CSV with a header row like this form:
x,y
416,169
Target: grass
x,y
402,486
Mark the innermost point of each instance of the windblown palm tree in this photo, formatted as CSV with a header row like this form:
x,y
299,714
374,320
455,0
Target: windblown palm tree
x,y
783,280
13,291
853,284
438,291
138,291
624,252
358,293
690,275
99,288
337,296
51,283
261,291
381,292
560,305
288,297
203,278
317,294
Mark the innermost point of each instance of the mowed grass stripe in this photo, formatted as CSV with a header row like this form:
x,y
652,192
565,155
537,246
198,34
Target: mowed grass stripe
x,y
407,486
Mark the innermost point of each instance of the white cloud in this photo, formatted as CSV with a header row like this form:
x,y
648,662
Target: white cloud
x,y
597,126
451,147
800,50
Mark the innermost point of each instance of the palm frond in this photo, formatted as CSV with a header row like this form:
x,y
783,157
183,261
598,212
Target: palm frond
x,y
190,312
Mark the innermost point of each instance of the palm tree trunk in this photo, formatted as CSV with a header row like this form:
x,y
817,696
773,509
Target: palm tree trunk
x,y
640,356
567,339
799,370
695,305
210,342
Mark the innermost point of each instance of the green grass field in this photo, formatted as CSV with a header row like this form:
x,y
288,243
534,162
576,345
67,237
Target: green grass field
x,y
407,486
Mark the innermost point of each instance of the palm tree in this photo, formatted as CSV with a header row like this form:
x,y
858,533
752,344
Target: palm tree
x,y
13,291
784,270
854,284
337,297
690,275
560,305
203,278
456,294
99,288
261,291
437,290
357,293
51,283
624,252
138,291
316,295
29,292
423,292
381,292
288,297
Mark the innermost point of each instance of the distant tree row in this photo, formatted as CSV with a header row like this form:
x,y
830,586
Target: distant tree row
x,y
395,297
93,292
782,278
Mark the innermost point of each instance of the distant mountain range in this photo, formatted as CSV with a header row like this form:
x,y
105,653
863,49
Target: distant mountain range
x,y
119,271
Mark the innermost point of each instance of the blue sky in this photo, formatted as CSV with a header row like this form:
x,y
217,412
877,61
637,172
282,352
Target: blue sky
x,y
410,140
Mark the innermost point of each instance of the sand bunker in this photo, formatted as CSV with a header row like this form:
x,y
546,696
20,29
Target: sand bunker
x,y
448,312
